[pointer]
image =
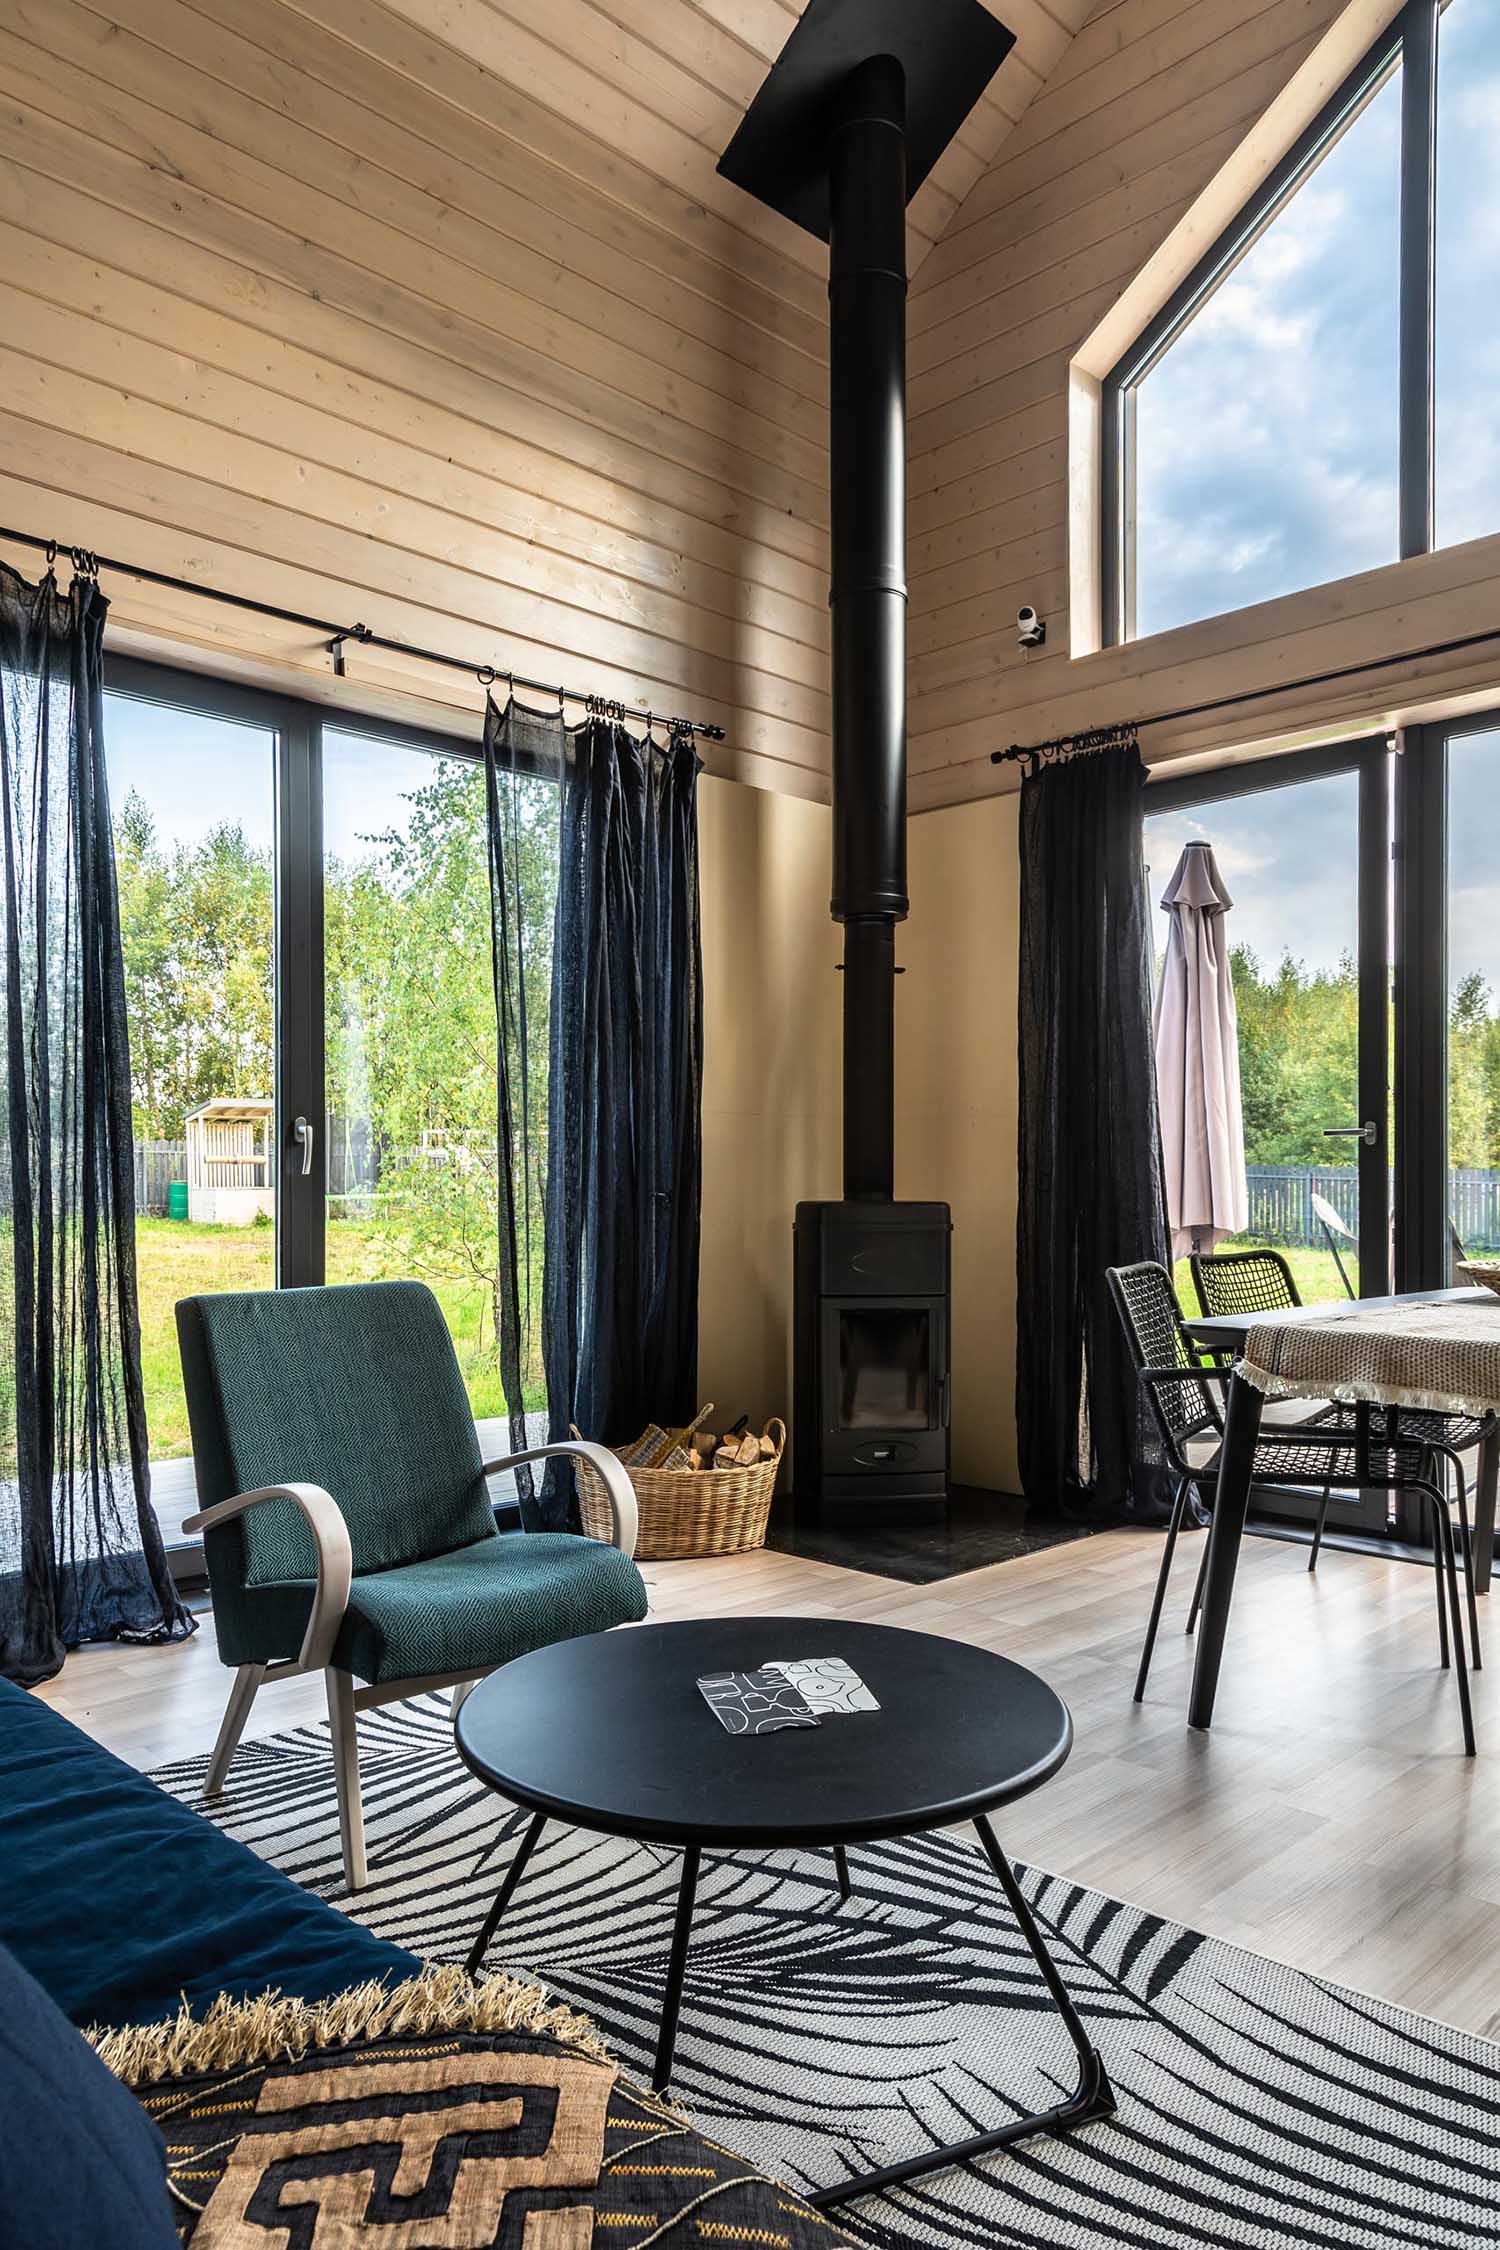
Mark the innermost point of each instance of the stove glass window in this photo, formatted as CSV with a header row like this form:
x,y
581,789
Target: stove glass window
x,y
885,1369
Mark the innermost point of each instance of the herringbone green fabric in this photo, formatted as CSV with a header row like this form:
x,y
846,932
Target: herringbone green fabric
x,y
485,1604
356,1389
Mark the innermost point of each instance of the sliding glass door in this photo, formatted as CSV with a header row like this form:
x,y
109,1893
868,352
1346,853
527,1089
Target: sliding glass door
x,y
1303,846
411,1158
1448,1053
306,923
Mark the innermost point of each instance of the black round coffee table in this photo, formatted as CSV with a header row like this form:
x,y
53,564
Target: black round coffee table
x,y
611,1733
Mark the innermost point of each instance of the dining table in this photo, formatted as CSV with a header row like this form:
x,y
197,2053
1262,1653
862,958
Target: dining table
x,y
1428,1349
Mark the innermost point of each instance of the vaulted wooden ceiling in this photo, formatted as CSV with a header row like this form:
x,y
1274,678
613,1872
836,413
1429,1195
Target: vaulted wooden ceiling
x,y
435,314
665,82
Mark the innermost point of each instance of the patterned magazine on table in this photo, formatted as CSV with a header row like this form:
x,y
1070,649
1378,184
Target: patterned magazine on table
x,y
830,1686
755,1702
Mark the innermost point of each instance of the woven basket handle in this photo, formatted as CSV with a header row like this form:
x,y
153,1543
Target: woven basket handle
x,y
776,1430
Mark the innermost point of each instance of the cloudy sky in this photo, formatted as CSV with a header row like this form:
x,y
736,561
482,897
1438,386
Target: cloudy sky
x,y
1266,437
1288,858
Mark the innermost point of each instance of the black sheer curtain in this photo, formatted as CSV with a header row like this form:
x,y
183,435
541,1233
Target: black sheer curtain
x,y
81,1555
525,759
1090,1152
619,1213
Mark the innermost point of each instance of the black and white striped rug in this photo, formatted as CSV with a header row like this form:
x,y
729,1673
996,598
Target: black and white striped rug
x,y
1257,2105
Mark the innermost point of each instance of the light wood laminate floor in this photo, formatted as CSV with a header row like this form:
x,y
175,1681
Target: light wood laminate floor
x,y
1330,1819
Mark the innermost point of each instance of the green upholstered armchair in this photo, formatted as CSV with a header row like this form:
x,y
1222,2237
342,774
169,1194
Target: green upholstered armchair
x,y
346,1521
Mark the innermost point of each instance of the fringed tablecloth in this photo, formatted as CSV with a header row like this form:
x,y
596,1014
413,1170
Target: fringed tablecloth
x,y
1442,1358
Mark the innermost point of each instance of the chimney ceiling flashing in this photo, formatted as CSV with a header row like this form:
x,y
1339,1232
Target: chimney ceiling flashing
x,y
949,51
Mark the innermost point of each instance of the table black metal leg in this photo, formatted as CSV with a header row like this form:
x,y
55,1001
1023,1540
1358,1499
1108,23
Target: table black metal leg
x,y
1484,1507
1195,1606
1231,1505
671,2007
1092,2099
1442,1539
1466,1556
504,1895
841,1862
1317,1545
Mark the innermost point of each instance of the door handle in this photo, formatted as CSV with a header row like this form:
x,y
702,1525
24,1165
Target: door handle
x,y
304,1134
1369,1132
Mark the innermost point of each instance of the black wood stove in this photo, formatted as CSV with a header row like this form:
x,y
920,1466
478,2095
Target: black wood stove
x,y
865,97
870,1395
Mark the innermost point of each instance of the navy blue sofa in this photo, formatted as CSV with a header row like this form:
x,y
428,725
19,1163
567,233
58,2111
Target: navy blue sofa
x,y
121,1901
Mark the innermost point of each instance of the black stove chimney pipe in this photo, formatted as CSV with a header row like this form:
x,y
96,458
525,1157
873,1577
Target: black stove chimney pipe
x,y
867,596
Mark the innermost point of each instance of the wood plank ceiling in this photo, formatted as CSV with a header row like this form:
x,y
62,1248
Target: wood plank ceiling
x,y
435,313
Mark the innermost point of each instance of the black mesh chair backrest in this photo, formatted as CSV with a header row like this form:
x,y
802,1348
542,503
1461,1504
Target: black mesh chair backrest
x,y
1147,1305
1244,1281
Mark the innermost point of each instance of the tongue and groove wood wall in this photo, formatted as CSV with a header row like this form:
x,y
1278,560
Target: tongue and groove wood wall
x,y
305,302
1152,107
433,313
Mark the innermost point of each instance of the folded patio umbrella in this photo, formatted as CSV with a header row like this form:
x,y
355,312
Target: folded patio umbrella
x,y
1198,1062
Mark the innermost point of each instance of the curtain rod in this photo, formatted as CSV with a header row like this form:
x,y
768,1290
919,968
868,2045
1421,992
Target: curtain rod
x,y
1021,751
336,635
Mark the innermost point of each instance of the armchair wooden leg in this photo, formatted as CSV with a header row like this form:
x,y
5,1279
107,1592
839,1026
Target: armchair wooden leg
x,y
236,1711
346,1775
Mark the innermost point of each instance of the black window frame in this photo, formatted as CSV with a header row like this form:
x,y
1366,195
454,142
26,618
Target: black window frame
x,y
297,724
1409,43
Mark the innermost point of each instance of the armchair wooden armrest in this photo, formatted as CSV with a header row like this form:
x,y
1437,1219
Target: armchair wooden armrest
x,y
330,1535
616,1483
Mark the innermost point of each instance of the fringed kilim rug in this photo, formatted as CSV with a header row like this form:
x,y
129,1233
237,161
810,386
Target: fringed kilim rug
x,y
1257,2105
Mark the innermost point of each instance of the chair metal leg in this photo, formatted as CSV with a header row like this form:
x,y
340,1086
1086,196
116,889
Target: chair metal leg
x,y
1174,1525
1466,1540
1093,2097
671,2007
1444,1659
841,1862
236,1711
505,1894
1442,1539
1196,1604
346,1776
1312,1560
458,1696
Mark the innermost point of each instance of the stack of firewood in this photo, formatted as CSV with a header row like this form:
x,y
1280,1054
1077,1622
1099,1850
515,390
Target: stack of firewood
x,y
692,1448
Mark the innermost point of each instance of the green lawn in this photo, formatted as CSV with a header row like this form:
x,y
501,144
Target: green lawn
x,y
1316,1275
175,1258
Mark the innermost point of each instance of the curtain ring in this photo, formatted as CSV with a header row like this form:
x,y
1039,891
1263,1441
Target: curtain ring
x,y
51,552
562,704
486,675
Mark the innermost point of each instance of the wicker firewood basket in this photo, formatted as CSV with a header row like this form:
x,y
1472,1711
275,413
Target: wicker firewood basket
x,y
689,1511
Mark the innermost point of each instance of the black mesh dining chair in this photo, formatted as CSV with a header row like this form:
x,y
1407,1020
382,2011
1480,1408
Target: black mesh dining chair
x,y
1231,1282
1321,1448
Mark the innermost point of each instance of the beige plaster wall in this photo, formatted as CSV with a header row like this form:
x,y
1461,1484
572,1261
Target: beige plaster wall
x,y
771,1097
956,1102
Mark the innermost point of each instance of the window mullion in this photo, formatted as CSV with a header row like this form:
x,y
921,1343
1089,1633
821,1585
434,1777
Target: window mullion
x,y
1418,223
